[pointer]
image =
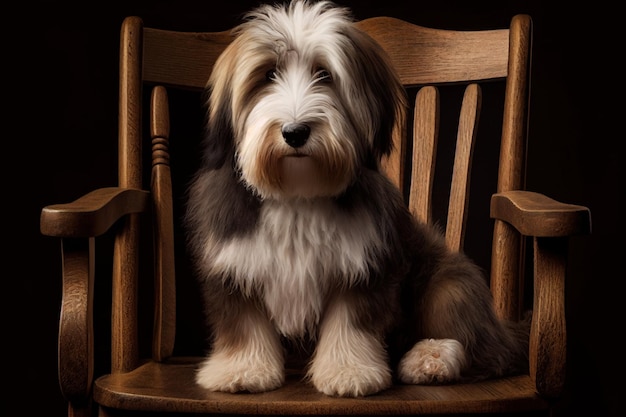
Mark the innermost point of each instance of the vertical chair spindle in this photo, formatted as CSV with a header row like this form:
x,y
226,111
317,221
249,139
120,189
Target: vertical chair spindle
x,y
161,184
460,187
425,135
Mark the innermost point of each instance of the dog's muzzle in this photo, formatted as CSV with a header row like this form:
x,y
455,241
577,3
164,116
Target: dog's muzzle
x,y
296,134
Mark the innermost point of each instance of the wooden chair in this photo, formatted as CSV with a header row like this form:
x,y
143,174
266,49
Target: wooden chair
x,y
427,60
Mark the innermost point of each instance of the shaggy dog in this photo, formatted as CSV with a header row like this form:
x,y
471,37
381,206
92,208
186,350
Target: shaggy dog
x,y
298,236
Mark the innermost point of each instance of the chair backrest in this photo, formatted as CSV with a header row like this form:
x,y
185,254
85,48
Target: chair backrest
x,y
424,58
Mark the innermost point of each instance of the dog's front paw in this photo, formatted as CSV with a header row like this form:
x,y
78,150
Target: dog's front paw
x,y
432,361
234,373
348,361
350,380
356,369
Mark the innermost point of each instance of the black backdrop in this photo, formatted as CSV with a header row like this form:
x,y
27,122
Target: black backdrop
x,y
60,142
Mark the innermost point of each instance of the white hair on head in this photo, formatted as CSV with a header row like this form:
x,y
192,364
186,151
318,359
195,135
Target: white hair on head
x,y
304,65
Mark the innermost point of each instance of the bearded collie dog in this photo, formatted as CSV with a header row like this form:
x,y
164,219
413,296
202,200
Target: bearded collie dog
x,y
297,235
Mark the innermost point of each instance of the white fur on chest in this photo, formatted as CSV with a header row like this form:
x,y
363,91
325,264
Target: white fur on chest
x,y
295,255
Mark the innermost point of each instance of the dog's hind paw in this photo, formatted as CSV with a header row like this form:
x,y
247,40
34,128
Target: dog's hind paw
x,y
234,374
432,361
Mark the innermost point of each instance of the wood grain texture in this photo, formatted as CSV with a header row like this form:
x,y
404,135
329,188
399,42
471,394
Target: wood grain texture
x,y
130,105
124,336
76,337
172,58
515,117
425,135
535,214
92,214
181,59
548,332
170,387
506,270
124,297
164,329
461,174
430,56
507,246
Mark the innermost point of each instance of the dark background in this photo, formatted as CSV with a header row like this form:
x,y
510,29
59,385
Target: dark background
x,y
60,122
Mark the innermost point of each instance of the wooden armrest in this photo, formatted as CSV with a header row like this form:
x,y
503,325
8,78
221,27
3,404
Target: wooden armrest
x,y
534,214
550,223
92,214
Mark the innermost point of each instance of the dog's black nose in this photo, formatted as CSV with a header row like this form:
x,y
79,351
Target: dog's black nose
x,y
296,134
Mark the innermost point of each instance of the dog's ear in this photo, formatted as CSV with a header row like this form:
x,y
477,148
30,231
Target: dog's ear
x,y
219,142
218,138
383,93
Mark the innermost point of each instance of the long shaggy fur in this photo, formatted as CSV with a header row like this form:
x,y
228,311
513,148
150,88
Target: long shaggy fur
x,y
298,236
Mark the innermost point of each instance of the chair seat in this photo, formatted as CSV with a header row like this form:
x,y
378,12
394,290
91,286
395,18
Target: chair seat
x,y
170,387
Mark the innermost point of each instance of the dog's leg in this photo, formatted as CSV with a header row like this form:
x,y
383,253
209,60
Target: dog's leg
x,y
348,360
445,314
247,355
464,338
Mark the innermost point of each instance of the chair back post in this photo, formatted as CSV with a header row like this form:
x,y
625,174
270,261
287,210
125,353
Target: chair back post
x,y
124,336
507,249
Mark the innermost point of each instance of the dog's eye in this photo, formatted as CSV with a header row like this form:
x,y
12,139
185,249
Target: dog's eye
x,y
270,75
322,75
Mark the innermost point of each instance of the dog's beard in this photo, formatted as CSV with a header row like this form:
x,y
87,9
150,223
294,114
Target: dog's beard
x,y
324,167
302,176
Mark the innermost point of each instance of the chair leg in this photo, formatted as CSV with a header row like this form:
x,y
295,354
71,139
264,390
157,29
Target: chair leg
x,y
548,333
75,350
79,410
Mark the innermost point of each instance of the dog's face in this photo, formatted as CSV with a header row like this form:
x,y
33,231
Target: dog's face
x,y
300,101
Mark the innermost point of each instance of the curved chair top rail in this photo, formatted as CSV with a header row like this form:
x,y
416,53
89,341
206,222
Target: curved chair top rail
x,y
420,55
